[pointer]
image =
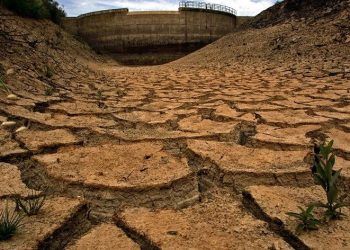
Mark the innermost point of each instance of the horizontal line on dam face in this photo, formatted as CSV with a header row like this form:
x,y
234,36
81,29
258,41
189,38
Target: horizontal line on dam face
x,y
153,13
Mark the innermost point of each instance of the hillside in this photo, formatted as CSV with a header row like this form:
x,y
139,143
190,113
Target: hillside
x,y
298,9
37,55
317,38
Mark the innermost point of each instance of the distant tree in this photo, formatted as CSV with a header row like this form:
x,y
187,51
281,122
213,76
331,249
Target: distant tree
x,y
39,9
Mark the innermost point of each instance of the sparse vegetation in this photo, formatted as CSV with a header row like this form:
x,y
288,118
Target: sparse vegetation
x,y
49,91
32,205
306,218
327,178
3,86
99,97
9,223
48,72
39,9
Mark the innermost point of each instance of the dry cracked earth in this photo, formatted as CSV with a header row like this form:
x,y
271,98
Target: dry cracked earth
x,y
174,157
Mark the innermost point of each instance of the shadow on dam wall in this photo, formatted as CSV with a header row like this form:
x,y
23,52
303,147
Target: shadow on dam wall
x,y
153,55
150,37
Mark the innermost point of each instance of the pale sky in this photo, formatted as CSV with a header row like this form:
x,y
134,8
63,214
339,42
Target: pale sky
x,y
77,7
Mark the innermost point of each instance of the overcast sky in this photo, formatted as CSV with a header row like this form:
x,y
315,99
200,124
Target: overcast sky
x,y
77,7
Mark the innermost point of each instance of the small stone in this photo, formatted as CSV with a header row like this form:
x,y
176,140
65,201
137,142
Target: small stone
x,y
21,129
8,124
12,97
10,72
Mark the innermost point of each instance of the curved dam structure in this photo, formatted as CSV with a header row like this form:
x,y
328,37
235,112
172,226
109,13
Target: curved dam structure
x,y
194,25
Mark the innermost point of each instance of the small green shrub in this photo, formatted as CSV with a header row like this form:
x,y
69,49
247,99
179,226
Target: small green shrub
x,y
48,72
32,205
327,178
99,97
39,9
9,223
3,86
49,91
306,218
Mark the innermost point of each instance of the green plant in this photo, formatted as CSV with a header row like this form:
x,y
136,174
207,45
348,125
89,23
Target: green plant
x,y
327,178
31,205
306,218
49,91
99,97
3,86
9,223
48,72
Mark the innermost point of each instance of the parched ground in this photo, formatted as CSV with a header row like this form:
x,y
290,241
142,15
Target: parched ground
x,y
206,155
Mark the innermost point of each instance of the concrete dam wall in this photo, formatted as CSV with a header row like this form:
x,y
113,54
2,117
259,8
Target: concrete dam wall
x,y
121,31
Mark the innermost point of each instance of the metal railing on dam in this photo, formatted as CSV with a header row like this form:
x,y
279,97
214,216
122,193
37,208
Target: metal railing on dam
x,y
206,6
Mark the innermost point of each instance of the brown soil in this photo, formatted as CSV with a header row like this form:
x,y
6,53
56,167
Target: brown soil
x,y
10,175
36,140
110,165
104,237
208,152
217,224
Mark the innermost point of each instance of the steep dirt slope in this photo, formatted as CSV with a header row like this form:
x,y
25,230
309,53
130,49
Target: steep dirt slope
x,y
36,55
295,9
309,40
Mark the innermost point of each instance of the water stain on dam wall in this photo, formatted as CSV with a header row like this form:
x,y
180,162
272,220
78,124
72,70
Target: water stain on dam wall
x,y
169,34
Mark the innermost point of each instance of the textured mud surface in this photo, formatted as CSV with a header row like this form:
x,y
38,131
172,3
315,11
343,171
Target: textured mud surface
x,y
208,152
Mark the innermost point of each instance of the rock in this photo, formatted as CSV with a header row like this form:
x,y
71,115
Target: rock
x,y
21,129
12,97
347,39
10,72
8,124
